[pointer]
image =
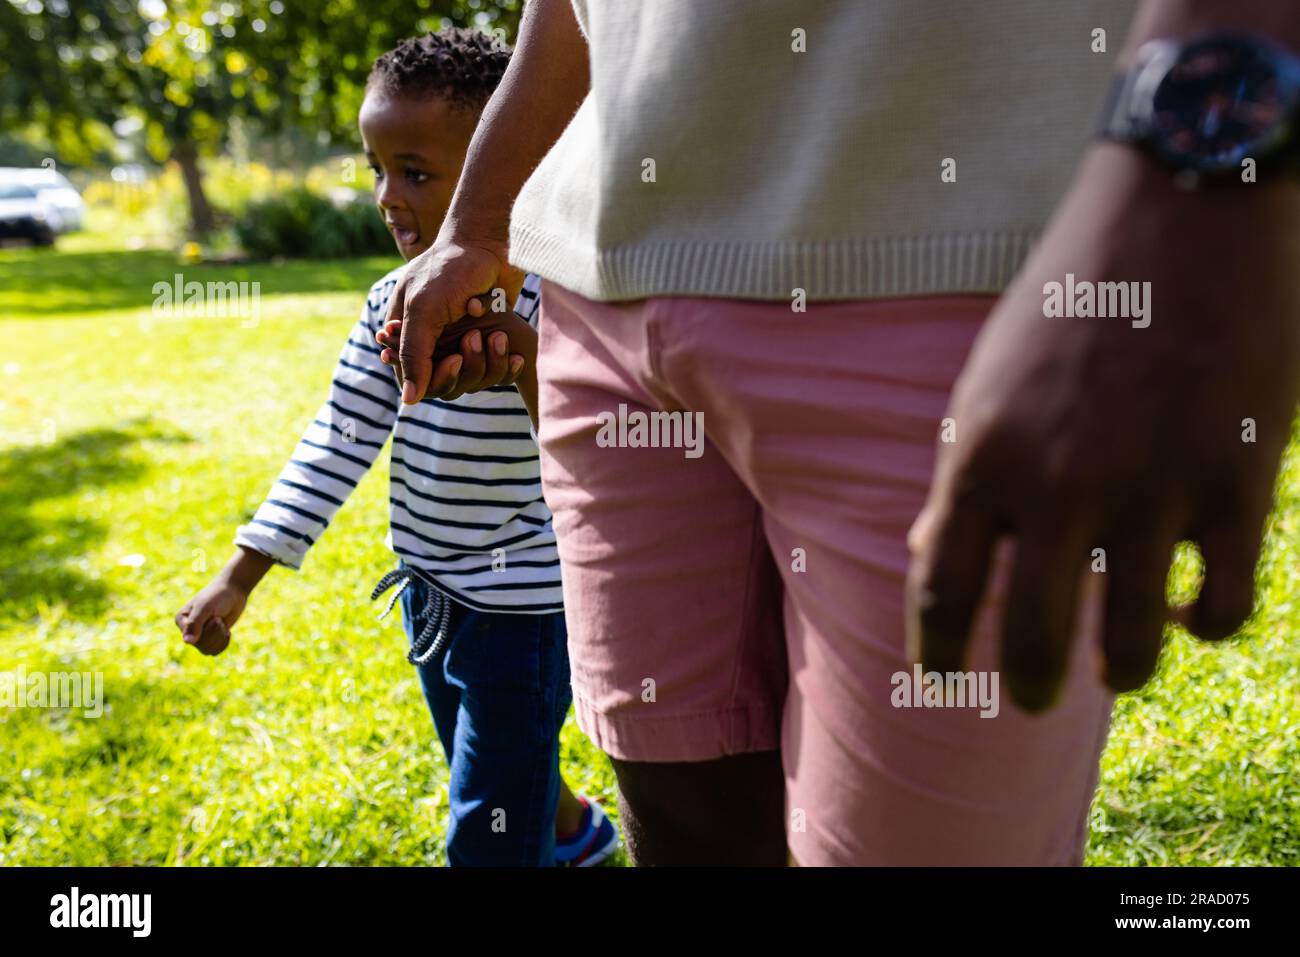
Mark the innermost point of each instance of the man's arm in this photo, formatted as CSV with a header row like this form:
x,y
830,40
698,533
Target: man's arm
x,y
546,81
1078,434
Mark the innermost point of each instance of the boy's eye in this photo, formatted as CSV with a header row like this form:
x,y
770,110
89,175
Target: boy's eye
x,y
379,173
416,176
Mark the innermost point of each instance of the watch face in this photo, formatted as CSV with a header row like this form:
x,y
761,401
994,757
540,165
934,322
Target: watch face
x,y
1224,99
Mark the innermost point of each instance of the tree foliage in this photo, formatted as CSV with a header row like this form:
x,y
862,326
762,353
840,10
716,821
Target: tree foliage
x,y
183,70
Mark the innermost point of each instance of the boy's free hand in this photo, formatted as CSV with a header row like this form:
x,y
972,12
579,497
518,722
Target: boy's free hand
x,y
487,356
206,619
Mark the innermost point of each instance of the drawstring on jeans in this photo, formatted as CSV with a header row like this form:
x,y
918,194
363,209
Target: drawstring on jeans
x,y
436,614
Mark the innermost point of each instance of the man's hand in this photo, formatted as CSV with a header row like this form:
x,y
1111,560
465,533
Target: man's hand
x,y
1074,434
449,280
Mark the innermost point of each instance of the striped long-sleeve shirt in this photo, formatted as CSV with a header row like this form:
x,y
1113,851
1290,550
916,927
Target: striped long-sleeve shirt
x,y
465,493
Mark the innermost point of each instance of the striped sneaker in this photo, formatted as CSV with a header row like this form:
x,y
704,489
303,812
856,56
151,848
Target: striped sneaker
x,y
594,841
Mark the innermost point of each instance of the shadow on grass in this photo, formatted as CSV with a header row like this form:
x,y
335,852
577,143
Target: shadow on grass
x,y
41,560
44,283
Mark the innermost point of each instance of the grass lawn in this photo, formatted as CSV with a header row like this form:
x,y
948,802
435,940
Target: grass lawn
x,y
130,448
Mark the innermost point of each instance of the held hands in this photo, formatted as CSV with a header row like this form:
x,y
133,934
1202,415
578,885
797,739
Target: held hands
x,y
443,284
485,356
1074,434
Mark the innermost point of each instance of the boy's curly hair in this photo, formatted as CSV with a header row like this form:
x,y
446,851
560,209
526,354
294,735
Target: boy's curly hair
x,y
460,64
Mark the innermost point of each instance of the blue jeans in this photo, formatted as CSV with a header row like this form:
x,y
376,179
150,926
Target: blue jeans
x,y
499,694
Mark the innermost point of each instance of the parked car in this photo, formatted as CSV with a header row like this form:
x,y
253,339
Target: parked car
x,y
53,188
24,215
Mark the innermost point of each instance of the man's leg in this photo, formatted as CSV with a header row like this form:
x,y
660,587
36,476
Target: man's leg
x,y
729,811
672,601
831,420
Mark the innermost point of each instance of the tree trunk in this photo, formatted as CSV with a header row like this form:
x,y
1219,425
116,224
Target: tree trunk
x,y
187,157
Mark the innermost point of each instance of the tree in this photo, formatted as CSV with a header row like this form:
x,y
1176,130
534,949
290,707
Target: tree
x,y
316,56
186,68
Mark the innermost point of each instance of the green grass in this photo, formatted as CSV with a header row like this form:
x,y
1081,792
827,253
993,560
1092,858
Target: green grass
x,y
129,451
131,448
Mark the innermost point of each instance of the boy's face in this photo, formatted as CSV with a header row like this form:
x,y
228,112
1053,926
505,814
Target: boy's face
x,y
416,148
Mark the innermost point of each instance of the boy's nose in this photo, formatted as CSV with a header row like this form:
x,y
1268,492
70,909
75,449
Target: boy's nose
x,y
385,195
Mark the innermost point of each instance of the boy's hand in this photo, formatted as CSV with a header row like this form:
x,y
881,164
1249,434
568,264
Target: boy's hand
x,y
484,359
207,618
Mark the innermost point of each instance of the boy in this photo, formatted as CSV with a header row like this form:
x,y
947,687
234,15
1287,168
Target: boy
x,y
478,575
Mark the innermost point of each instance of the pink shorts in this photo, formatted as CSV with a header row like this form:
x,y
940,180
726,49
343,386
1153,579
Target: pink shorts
x,y
745,592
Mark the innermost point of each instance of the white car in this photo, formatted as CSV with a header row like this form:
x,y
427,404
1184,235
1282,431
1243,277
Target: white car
x,y
24,215
54,190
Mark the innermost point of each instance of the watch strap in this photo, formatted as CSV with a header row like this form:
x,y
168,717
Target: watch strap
x,y
1116,120
1119,119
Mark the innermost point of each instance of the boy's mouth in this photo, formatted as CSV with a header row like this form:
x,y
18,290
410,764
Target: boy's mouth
x,y
404,236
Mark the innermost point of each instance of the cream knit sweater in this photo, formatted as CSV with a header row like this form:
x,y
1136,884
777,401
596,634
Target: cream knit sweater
x,y
749,148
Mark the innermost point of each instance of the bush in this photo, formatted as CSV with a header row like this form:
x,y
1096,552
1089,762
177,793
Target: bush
x,y
306,225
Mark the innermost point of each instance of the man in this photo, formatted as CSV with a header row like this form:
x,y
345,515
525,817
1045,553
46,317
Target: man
x,y
794,220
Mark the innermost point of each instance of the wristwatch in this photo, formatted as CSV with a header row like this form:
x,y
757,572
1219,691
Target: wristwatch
x,y
1206,105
